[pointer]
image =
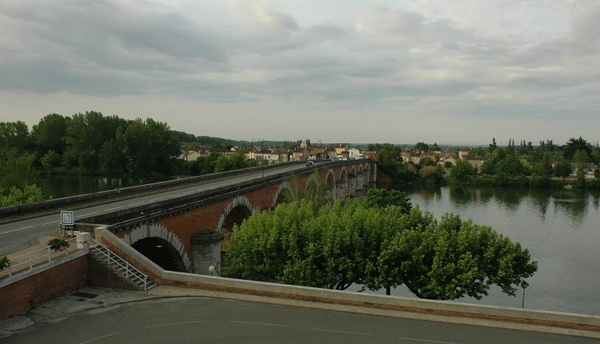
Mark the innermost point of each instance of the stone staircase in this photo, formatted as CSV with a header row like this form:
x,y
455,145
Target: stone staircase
x,y
121,267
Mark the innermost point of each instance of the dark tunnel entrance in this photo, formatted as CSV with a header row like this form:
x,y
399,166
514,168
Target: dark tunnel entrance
x,y
160,252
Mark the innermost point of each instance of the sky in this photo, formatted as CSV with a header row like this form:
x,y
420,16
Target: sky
x,y
346,71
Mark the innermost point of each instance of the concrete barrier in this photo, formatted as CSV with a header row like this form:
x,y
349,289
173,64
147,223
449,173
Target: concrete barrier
x,y
365,303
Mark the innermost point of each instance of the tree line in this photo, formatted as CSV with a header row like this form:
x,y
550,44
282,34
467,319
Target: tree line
x,y
545,164
91,143
377,241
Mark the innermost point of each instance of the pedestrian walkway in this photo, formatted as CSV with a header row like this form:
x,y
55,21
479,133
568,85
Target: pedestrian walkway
x,y
38,253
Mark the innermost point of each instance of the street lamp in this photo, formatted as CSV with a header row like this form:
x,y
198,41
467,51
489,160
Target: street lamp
x,y
524,285
213,270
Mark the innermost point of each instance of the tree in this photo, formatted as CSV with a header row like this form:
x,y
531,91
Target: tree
x,y
14,135
421,147
298,244
150,146
427,161
389,153
50,160
563,169
49,134
17,169
86,134
477,151
18,196
382,198
462,170
581,161
510,165
574,145
489,166
493,145
432,175
452,258
338,245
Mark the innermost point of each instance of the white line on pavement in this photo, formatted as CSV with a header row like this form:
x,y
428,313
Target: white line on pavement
x,y
340,331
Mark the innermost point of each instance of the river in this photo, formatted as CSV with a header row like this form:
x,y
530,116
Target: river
x,y
561,229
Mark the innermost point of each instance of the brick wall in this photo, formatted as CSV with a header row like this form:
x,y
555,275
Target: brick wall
x,y
21,296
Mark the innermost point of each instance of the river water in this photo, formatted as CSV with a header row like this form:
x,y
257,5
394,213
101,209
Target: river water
x,y
561,229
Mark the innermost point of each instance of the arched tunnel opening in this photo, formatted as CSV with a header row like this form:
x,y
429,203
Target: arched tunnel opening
x,y
235,217
160,252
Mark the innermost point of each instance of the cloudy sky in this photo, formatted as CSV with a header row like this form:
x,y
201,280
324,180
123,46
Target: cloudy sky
x,y
403,71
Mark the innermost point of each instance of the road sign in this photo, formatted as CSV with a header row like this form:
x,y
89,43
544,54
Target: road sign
x,y
67,218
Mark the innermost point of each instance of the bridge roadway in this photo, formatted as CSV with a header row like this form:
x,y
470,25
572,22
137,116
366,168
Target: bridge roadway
x,y
21,233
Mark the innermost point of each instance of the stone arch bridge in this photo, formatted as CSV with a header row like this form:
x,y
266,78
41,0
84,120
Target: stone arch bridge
x,y
188,234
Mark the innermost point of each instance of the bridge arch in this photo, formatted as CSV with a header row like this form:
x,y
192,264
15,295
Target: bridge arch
x,y
311,182
154,234
285,193
235,212
331,185
343,174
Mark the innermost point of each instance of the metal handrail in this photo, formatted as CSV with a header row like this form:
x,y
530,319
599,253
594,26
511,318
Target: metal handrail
x,y
115,258
32,258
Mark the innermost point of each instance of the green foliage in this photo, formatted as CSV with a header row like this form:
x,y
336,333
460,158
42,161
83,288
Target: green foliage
x,y
510,166
574,145
58,244
49,134
462,170
383,198
317,193
563,169
432,175
230,162
421,147
4,263
17,169
150,147
478,151
452,258
301,244
50,159
18,196
14,136
378,247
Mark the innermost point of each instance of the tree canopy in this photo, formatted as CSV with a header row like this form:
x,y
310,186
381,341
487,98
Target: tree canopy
x,y
381,246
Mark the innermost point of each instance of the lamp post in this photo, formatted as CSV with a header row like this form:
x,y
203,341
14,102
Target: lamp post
x,y
524,285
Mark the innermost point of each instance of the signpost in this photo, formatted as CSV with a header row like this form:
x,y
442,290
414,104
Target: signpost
x,y
67,221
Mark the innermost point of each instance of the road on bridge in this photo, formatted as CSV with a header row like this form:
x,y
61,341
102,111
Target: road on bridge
x,y
215,320
18,235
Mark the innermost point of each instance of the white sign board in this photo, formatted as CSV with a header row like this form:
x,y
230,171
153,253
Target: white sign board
x,y
67,218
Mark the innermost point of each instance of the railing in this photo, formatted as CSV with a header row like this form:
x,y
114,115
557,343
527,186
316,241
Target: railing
x,y
112,257
26,261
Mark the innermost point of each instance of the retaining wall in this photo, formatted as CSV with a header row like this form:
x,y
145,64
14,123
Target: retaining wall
x,y
26,290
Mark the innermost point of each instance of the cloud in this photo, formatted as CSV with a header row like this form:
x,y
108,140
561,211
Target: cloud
x,y
452,61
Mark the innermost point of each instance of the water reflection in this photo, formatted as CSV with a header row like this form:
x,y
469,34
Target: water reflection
x,y
558,226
